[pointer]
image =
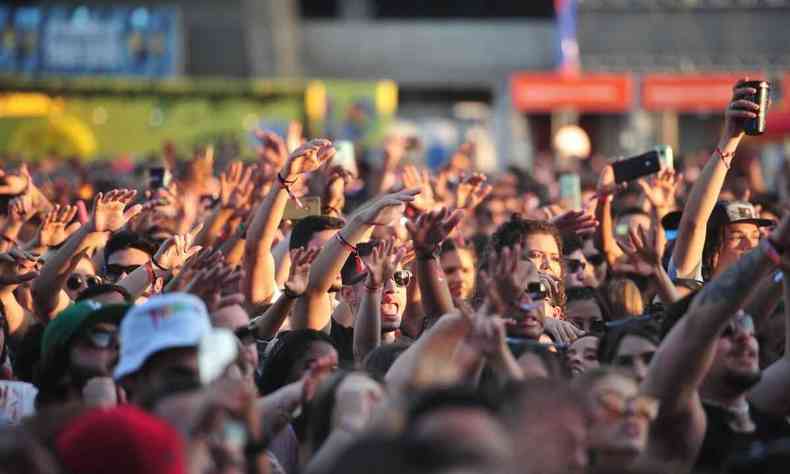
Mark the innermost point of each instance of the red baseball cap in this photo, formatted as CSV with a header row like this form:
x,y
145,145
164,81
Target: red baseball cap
x,y
121,440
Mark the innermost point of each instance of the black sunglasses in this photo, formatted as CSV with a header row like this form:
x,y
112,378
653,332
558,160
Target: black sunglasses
x,y
402,278
114,270
537,290
75,281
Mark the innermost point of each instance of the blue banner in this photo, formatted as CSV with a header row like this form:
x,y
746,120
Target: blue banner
x,y
122,41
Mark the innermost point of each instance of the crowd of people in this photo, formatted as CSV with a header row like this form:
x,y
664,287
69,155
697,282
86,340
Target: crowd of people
x,y
414,321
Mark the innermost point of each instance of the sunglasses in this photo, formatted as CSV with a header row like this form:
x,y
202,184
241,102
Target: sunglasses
x,y
76,281
741,322
115,271
538,291
402,278
101,338
574,265
618,405
595,259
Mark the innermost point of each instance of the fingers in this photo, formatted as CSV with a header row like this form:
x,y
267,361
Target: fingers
x,y
132,212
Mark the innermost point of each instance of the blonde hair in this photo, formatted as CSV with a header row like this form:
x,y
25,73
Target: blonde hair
x,y
625,299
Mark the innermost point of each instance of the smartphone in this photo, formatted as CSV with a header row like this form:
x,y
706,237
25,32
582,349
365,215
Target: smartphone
x,y
571,190
665,157
344,157
756,126
636,167
312,207
159,177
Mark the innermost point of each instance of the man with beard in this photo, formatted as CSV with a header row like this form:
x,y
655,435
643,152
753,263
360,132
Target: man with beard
x,y
80,344
706,372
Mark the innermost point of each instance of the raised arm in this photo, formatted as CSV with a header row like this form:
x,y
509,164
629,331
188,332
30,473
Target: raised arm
x,y
109,214
236,188
16,267
268,325
772,393
313,311
604,236
682,360
644,249
381,265
428,233
687,254
259,283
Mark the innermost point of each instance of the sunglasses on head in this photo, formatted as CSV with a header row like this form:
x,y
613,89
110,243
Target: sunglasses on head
x,y
537,290
741,322
101,338
575,265
618,405
76,281
114,270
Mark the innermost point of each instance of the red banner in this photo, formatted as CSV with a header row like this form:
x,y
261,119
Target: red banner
x,y
690,92
545,92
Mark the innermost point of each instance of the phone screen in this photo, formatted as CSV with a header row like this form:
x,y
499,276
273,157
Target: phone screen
x,y
159,178
571,190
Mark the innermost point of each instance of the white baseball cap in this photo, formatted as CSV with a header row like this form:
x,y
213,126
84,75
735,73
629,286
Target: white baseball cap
x,y
168,321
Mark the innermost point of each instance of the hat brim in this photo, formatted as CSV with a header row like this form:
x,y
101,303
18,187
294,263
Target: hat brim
x,y
757,222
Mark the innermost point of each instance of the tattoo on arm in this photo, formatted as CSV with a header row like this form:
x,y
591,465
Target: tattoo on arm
x,y
729,291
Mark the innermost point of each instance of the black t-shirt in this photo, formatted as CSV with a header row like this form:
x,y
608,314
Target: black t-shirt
x,y
721,441
344,342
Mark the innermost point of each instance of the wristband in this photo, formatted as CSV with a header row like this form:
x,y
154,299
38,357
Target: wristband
x,y
287,186
372,288
354,251
291,295
724,156
156,264
427,254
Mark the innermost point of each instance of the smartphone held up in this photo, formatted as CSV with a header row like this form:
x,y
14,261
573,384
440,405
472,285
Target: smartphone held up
x,y
651,162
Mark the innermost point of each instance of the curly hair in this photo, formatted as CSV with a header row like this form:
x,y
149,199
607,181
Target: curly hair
x,y
517,229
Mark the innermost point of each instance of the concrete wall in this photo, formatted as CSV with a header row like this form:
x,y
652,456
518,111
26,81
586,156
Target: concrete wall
x,y
438,54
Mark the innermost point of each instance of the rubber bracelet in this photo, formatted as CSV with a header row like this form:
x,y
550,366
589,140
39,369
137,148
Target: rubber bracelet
x,y
160,267
287,186
723,157
372,288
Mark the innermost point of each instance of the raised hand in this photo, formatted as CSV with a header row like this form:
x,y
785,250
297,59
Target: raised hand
x,y
660,190
15,184
17,267
109,210
57,226
415,179
643,248
211,284
382,262
563,332
176,250
472,191
606,183
236,186
319,370
739,110
333,198
433,228
272,154
579,222
500,280
301,259
386,209
308,157
294,137
394,150
21,210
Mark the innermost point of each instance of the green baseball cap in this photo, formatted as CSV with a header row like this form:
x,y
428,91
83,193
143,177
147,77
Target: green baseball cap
x,y
69,322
